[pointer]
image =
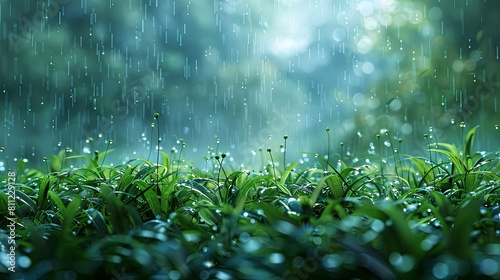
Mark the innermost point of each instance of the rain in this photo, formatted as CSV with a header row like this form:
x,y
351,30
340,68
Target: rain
x,y
240,77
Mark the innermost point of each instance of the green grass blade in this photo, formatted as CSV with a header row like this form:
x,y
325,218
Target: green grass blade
x,y
93,166
117,212
55,163
465,216
97,220
43,192
200,189
468,145
150,196
25,203
70,213
57,201
287,172
454,155
333,182
424,169
283,188
248,186
4,204
399,229
166,162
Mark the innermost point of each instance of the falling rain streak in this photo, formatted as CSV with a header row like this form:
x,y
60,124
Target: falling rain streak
x,y
238,75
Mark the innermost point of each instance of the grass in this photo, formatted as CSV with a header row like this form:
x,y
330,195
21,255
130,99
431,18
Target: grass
x,y
398,217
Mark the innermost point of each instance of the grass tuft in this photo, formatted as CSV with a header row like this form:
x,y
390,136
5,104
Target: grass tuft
x,y
404,217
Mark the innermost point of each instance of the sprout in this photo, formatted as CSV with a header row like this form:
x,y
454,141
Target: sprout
x,y
156,115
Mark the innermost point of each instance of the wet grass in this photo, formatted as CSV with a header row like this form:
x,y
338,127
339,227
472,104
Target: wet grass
x,y
397,217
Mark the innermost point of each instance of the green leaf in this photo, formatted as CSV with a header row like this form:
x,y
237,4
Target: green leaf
x,y
454,155
210,216
200,189
466,215
242,178
4,204
150,195
424,169
166,161
69,214
97,220
283,188
333,208
117,212
57,201
249,185
399,231
125,180
43,192
469,143
93,166
102,155
471,181
287,172
333,182
24,201
55,163
167,191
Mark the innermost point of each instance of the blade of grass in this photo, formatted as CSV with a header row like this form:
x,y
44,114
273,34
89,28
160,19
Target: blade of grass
x,y
117,212
57,201
468,145
43,192
69,214
97,220
287,172
150,195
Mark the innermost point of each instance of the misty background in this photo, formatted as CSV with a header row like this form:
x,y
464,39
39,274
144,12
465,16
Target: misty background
x,y
236,76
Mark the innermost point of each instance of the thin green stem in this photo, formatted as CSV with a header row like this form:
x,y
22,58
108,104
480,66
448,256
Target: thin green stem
x,y
155,116
284,152
220,160
327,150
151,143
106,152
381,157
272,164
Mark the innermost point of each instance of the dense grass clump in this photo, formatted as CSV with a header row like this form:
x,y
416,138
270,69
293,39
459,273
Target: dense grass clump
x,y
400,217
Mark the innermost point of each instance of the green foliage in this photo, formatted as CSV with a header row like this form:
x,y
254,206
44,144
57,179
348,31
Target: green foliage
x,y
146,220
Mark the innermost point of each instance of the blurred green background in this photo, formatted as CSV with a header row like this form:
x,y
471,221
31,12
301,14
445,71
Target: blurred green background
x,y
247,73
